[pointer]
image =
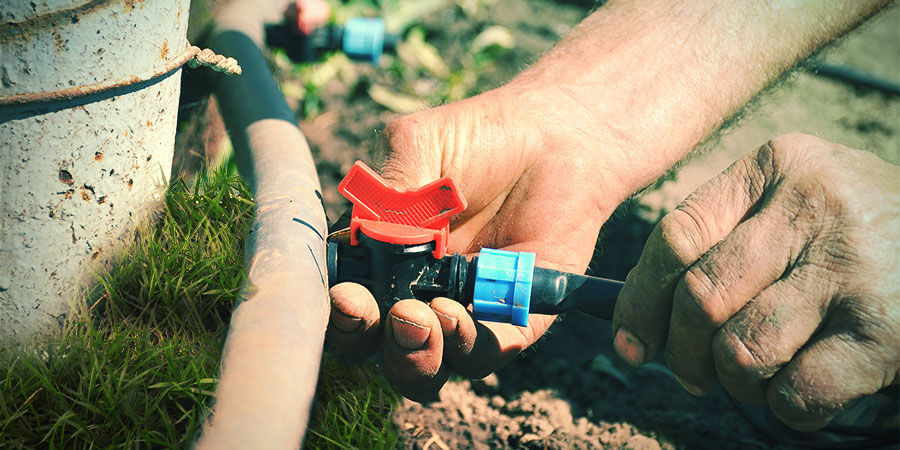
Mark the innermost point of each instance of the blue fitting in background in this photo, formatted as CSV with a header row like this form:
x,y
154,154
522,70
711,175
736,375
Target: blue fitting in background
x,y
364,38
503,286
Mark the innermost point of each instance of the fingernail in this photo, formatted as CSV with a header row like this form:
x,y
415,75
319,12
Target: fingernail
x,y
344,322
629,347
694,390
408,334
448,324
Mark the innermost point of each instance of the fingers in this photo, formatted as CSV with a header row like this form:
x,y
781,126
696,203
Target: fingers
x,y
837,367
474,349
460,332
413,350
763,337
355,323
422,342
643,309
716,287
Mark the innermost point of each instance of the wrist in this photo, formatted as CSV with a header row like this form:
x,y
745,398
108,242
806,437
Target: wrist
x,y
569,120
567,130
644,84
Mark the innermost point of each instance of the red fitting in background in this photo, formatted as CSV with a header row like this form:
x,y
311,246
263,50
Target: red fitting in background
x,y
311,14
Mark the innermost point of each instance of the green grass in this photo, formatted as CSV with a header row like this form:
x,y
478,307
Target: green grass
x,y
352,409
186,273
139,369
110,385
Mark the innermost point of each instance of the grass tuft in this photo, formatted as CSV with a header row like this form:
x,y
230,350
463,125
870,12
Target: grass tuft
x,y
107,385
185,273
353,408
140,369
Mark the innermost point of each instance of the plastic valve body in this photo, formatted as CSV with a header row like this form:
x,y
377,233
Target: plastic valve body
x,y
396,246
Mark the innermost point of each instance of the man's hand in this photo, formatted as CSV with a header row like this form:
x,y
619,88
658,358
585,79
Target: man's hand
x,y
525,192
544,160
779,279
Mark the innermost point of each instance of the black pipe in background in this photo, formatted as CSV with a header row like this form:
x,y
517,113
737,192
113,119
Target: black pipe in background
x,y
246,98
856,78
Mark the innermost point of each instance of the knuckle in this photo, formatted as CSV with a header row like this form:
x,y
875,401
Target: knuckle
x,y
408,150
401,132
786,401
794,152
810,194
681,232
795,409
700,298
740,360
792,145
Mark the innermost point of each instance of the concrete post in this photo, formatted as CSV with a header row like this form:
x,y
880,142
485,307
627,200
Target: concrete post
x,y
80,167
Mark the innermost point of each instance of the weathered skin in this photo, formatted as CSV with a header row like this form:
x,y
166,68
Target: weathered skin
x,y
544,160
779,279
501,189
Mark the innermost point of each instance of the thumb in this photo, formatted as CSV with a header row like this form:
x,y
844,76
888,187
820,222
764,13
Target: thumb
x,y
484,143
408,151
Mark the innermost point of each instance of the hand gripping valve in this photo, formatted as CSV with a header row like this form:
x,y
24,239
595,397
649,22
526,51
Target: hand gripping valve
x,y
396,247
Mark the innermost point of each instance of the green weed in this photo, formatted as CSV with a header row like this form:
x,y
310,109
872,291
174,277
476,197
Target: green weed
x,y
353,408
107,385
185,273
139,370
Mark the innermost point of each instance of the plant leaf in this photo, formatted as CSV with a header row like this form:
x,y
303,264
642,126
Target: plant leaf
x,y
396,102
496,35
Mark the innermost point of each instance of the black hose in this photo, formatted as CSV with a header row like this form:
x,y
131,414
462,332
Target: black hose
x,y
555,292
246,98
856,78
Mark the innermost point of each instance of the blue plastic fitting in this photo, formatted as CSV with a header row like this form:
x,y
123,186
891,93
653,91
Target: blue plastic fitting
x,y
364,38
502,290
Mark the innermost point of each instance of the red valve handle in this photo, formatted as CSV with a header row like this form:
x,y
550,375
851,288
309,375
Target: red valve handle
x,y
311,14
415,216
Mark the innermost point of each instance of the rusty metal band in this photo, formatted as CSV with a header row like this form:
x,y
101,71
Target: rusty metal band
x,y
96,88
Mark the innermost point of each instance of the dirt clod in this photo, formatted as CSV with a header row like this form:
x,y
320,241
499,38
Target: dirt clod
x,y
538,420
640,442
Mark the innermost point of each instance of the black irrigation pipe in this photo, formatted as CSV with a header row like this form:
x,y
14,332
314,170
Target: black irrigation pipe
x,y
857,78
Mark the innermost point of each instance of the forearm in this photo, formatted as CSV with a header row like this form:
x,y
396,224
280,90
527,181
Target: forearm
x,y
654,78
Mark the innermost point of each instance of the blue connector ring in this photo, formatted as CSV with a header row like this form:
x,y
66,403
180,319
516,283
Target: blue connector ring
x,y
364,38
502,290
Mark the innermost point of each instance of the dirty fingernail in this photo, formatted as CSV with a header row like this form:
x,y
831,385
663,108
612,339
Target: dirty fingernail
x,y
344,322
448,324
694,390
629,347
408,334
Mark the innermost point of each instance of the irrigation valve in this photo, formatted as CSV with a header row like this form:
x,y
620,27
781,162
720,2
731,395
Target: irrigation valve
x,y
305,34
396,246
